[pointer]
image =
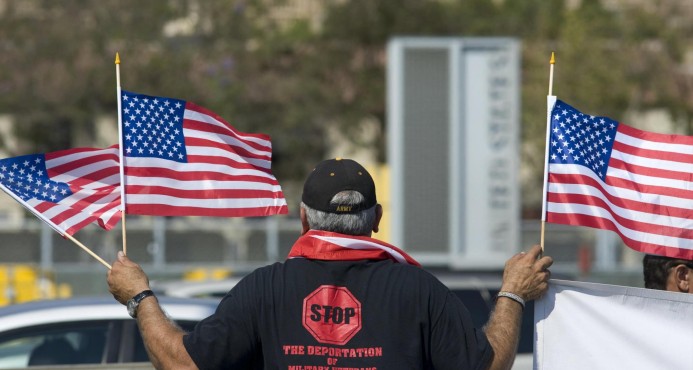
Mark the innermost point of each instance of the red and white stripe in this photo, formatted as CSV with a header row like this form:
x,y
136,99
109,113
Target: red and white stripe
x,y
646,197
92,175
228,174
326,245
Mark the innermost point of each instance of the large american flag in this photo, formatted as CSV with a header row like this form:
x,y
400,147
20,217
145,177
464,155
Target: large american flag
x,y
183,160
70,188
607,175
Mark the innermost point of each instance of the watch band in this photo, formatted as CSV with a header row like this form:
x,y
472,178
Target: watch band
x,y
134,302
144,294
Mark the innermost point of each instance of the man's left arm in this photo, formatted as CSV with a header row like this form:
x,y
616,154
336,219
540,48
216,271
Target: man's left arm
x,y
163,339
525,278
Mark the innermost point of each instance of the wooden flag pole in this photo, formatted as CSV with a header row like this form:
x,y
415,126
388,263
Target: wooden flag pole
x,y
52,224
549,99
120,156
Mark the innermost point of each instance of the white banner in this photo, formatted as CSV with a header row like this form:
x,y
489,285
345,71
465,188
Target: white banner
x,y
595,326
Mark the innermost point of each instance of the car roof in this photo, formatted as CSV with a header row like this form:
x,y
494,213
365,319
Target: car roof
x,y
95,309
205,288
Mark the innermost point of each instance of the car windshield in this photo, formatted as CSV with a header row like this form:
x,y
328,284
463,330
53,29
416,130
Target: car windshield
x,y
71,343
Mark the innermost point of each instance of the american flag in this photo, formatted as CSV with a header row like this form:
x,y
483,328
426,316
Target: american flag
x,y
183,160
604,174
70,188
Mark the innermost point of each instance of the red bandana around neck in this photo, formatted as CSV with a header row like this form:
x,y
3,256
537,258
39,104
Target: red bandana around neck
x,y
325,245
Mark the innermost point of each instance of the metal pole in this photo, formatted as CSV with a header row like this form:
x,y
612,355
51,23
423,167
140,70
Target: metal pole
x,y
46,247
272,230
605,250
159,235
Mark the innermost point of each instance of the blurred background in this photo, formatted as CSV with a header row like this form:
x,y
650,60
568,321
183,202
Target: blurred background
x,y
327,78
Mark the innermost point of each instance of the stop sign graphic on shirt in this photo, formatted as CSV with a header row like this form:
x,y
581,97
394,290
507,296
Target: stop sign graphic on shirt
x,y
332,314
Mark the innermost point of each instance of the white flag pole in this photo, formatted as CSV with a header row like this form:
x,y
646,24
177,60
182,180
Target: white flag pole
x,y
52,224
550,101
120,154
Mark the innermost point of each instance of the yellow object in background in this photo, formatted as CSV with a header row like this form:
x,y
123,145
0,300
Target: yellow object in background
x,y
64,290
381,177
23,283
218,274
4,286
195,275
201,274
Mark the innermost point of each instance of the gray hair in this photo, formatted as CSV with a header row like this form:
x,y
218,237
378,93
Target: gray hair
x,y
360,223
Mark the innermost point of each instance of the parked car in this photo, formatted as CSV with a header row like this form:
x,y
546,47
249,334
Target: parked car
x,y
476,290
212,289
83,330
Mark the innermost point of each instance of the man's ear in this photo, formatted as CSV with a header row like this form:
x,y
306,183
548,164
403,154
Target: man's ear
x,y
682,277
378,217
304,222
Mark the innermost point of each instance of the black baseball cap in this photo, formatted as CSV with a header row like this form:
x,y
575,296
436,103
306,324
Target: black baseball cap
x,y
336,175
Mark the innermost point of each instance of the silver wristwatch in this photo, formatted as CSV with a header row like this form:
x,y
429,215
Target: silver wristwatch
x,y
134,302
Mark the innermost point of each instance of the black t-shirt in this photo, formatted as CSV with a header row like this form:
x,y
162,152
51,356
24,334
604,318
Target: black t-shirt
x,y
332,315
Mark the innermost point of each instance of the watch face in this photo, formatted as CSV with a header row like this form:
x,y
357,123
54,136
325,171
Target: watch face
x,y
132,307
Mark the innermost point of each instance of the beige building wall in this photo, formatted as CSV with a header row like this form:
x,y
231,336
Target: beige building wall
x,y
11,213
381,177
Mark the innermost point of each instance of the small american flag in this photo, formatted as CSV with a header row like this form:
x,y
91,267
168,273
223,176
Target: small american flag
x,y
183,160
607,175
70,188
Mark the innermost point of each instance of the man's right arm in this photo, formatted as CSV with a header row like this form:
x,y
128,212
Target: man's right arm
x,y
526,276
162,338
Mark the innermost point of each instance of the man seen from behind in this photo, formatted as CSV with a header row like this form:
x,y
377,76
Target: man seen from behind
x,y
341,300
